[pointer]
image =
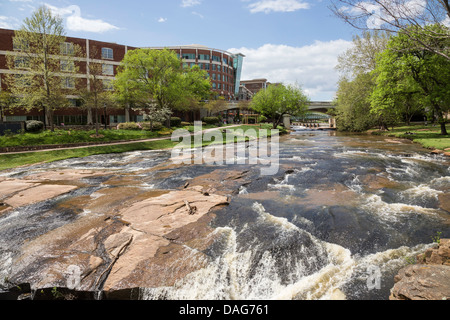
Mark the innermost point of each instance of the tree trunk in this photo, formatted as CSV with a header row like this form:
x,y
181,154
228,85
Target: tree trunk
x,y
96,122
50,119
89,116
443,127
127,113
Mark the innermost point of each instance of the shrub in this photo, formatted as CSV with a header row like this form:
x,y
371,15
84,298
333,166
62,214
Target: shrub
x,y
185,124
34,126
156,126
129,126
165,132
175,122
211,120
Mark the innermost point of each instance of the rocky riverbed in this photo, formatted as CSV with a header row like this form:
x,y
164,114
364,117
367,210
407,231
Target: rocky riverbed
x,y
137,226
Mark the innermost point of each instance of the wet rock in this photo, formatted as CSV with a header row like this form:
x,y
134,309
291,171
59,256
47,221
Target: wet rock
x,y
150,240
427,280
37,194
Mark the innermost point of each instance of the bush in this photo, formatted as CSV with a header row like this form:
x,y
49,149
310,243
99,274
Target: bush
x,y
129,126
175,122
34,126
185,124
211,120
156,126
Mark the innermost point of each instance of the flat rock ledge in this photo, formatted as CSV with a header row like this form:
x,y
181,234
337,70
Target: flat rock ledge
x,y
429,279
151,243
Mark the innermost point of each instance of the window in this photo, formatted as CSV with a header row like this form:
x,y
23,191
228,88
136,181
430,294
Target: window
x,y
108,85
67,66
214,67
107,53
68,83
225,60
22,63
21,80
216,58
20,45
214,76
204,57
188,56
67,48
214,85
108,69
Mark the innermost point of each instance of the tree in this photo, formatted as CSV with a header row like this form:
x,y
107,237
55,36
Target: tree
x,y
43,64
98,95
357,82
405,69
279,100
362,56
6,101
215,106
353,104
155,114
149,76
397,16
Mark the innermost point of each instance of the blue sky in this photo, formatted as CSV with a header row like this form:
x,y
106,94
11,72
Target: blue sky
x,y
289,41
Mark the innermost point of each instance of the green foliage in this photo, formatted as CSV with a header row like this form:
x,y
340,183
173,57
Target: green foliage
x,y
409,79
156,77
353,105
279,100
175,121
38,51
34,126
148,126
211,120
129,126
437,237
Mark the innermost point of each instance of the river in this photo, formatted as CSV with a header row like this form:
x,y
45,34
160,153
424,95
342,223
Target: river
x,y
342,216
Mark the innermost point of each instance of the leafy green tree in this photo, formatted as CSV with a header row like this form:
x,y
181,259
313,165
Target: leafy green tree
x,y
405,70
279,100
355,86
149,76
353,104
43,66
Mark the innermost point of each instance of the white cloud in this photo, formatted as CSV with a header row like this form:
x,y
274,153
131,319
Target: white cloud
x,y
162,19
268,6
311,66
8,22
75,22
198,14
190,3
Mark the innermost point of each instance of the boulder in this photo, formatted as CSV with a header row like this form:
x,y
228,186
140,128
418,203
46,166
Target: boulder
x,y
428,279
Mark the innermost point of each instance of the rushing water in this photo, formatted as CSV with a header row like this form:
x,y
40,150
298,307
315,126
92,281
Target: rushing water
x,y
339,220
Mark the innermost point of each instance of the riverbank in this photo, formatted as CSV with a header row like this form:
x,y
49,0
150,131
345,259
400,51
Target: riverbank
x,y
427,136
12,160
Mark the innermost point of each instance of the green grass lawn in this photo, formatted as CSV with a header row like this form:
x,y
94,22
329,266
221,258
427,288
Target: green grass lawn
x,y
9,161
428,136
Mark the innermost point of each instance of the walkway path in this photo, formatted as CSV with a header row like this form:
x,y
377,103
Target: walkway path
x,y
112,143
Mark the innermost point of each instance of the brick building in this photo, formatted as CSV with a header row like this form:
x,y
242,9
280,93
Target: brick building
x,y
223,68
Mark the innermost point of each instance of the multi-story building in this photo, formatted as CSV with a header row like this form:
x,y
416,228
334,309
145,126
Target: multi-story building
x,y
224,70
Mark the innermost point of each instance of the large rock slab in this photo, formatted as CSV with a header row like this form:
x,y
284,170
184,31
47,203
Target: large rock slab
x,y
427,280
151,242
